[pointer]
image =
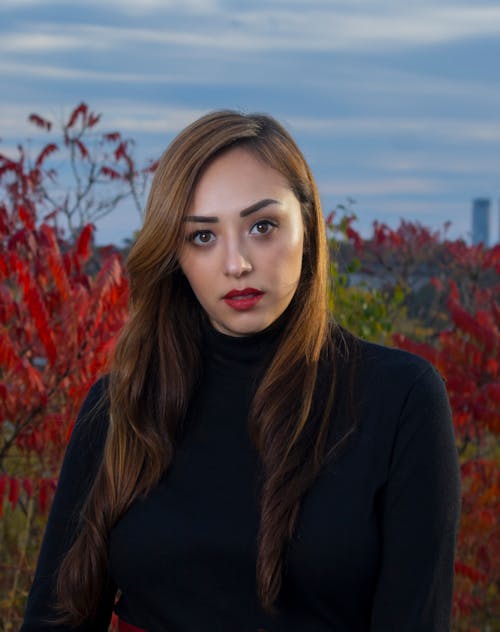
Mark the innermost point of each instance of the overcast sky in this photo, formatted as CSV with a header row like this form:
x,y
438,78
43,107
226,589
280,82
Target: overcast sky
x,y
395,103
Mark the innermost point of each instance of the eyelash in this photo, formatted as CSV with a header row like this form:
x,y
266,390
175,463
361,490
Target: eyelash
x,y
195,234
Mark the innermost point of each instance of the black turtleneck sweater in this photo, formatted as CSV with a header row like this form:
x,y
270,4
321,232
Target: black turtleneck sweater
x,y
374,544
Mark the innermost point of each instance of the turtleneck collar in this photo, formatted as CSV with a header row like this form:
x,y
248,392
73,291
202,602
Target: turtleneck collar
x,y
240,355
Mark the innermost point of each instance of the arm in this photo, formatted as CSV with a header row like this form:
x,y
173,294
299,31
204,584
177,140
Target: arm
x,y
78,471
420,513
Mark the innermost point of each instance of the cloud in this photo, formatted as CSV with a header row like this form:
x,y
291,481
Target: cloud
x,y
14,123
138,118
435,161
323,28
70,73
39,42
370,186
131,7
143,117
465,130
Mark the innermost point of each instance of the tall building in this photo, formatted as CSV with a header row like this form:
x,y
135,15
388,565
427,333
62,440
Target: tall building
x,y
481,221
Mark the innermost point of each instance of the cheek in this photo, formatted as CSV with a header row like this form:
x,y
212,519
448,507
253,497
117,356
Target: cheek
x,y
295,250
193,271
286,261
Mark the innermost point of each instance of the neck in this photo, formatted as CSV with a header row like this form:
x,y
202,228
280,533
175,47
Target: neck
x,y
240,355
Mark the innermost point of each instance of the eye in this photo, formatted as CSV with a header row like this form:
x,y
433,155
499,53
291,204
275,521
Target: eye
x,y
263,227
201,237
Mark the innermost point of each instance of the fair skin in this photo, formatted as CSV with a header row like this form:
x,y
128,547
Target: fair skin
x,y
244,243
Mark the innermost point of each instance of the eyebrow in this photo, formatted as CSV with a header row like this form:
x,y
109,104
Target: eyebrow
x,y
253,208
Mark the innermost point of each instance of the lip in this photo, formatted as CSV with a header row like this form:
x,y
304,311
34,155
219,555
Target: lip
x,y
248,291
243,300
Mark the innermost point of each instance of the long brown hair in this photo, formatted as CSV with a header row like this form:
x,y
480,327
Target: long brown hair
x,y
156,364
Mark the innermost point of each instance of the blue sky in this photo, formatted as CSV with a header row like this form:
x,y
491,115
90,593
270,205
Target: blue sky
x,y
395,103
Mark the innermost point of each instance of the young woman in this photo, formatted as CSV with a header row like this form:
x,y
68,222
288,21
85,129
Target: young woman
x,y
247,464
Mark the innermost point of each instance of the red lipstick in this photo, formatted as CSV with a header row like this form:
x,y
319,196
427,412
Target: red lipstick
x,y
242,300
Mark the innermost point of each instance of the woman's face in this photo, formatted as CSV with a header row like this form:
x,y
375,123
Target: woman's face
x,y
244,241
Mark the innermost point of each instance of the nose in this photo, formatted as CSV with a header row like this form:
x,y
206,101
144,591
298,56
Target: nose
x,y
236,262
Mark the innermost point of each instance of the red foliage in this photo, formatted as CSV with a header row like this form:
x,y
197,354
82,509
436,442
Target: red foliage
x,y
467,355
62,305
46,151
110,173
82,250
82,148
58,326
112,136
80,111
40,122
26,217
409,235
93,119
13,492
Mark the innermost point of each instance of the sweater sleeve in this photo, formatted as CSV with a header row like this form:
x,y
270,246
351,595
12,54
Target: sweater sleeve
x,y
79,468
420,514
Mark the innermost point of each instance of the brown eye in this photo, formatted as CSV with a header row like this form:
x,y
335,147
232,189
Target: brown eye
x,y
202,237
263,228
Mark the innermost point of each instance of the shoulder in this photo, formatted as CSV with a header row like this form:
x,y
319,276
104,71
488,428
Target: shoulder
x,y
398,409
376,368
387,385
379,366
405,376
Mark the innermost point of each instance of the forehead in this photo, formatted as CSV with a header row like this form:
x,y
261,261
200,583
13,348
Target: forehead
x,y
236,179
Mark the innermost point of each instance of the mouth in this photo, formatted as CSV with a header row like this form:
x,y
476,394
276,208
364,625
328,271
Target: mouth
x,y
242,300
241,294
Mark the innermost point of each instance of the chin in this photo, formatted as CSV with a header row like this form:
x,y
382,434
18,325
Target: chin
x,y
240,330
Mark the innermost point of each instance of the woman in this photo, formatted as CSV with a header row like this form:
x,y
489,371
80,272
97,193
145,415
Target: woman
x,y
247,464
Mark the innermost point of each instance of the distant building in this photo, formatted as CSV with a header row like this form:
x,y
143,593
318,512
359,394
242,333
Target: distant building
x,y
481,221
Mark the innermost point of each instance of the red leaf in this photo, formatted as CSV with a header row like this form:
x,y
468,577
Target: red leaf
x,y
354,237
472,573
28,487
35,382
8,354
83,150
93,119
111,173
83,244
14,492
40,122
26,217
454,293
80,110
46,151
492,366
121,150
463,320
112,136
153,166
40,315
4,267
59,273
